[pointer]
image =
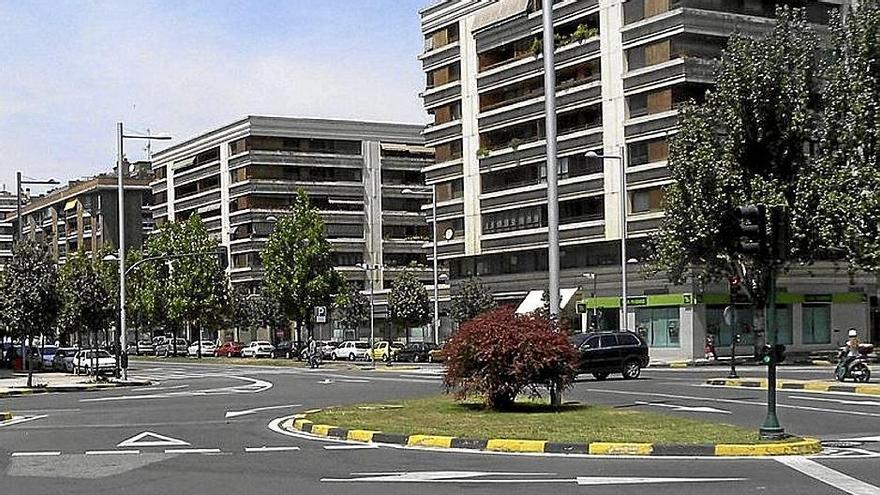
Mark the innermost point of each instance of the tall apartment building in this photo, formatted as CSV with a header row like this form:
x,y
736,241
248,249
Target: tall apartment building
x,y
84,216
622,69
8,204
241,177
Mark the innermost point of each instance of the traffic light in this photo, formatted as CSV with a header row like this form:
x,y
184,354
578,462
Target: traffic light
x,y
766,354
780,233
734,283
779,353
772,353
223,257
750,230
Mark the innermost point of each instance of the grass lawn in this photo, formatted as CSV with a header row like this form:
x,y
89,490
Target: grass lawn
x,y
441,415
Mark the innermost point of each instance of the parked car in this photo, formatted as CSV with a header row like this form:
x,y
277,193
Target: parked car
x,y
15,357
286,349
257,349
63,359
385,351
229,349
48,354
208,349
616,352
327,349
83,362
145,348
415,352
436,355
172,347
351,350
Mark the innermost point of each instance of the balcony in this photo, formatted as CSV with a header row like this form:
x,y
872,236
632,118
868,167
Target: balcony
x,y
534,65
587,94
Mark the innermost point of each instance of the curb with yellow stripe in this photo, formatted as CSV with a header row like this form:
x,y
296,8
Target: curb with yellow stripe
x,y
799,447
15,392
812,386
5,416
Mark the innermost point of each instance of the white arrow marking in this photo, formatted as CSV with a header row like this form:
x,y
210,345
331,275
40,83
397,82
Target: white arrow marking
x,y
479,477
22,419
840,401
595,481
161,441
675,407
862,439
235,414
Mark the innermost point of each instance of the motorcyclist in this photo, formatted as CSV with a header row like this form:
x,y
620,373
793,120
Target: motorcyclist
x,y
852,347
313,352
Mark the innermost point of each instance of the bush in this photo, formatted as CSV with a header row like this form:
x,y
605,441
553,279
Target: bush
x,y
499,354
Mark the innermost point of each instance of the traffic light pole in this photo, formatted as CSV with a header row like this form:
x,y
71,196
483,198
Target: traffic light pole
x,y
771,430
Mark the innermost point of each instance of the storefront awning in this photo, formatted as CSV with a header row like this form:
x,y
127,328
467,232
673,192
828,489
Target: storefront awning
x,y
535,300
70,205
500,11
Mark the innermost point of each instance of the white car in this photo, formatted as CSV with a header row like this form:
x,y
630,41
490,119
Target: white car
x,y
256,349
83,362
351,350
208,349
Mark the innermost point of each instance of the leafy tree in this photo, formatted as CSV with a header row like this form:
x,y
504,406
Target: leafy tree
x,y
841,189
352,308
408,301
744,145
297,264
495,355
470,299
87,303
30,289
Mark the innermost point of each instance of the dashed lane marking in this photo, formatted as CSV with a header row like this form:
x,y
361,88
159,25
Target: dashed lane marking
x,y
36,454
112,452
350,447
270,449
192,451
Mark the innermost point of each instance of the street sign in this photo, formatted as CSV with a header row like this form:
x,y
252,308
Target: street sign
x,y
320,314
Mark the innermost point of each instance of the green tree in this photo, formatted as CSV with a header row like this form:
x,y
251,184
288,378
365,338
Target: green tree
x,y
30,290
297,264
470,299
841,189
352,308
88,305
744,145
408,301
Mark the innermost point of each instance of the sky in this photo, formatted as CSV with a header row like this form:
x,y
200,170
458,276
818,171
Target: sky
x,y
70,70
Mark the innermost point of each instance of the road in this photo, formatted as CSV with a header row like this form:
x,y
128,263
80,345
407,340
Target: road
x,y
204,429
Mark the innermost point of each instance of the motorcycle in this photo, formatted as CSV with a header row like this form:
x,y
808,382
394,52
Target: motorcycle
x,y
855,368
314,359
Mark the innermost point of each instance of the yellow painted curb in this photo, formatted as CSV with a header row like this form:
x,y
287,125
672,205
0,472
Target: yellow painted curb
x,y
430,441
321,430
5,416
678,364
613,448
803,447
361,435
870,390
816,386
512,445
298,424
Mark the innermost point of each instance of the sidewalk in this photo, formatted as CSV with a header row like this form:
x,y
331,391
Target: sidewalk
x,y
871,389
16,384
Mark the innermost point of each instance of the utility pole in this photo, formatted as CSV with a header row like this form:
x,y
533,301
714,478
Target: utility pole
x,y
552,166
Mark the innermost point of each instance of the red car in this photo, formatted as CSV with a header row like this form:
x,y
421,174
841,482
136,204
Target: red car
x,y
229,349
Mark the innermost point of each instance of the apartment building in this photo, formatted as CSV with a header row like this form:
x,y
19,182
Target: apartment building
x,y
83,215
623,68
8,204
364,177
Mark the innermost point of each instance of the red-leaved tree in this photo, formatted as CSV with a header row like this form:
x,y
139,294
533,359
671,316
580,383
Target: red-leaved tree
x,y
499,354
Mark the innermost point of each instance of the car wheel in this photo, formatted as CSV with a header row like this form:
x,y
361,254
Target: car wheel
x,y
430,358
351,357
631,369
385,358
600,375
416,358
862,372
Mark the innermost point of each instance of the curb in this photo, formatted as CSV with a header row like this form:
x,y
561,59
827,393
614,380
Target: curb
x,y
805,446
811,386
5,416
70,388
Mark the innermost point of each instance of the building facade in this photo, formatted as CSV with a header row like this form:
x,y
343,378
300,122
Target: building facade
x,y
364,177
8,204
623,68
84,216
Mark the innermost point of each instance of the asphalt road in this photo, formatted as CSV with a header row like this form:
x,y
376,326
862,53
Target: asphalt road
x,y
203,429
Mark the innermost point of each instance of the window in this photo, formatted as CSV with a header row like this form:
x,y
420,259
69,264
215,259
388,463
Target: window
x,y
197,187
816,327
444,75
606,341
160,197
304,145
647,200
448,151
453,189
411,205
664,100
650,151
402,177
456,224
344,231
446,113
202,158
159,173
302,174
681,46
512,220
659,326
441,37
582,210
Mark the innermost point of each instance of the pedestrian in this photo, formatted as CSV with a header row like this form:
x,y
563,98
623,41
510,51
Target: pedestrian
x,y
710,348
123,364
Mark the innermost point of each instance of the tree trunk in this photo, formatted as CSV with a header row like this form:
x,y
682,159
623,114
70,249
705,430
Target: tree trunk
x,y
555,394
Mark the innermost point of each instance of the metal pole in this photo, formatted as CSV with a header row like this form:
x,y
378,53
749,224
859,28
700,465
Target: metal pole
x,y
372,317
595,303
436,290
120,171
771,428
18,204
623,302
552,170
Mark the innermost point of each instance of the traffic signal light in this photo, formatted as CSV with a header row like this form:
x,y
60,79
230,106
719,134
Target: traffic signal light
x,y
223,257
772,353
750,230
734,283
779,353
780,229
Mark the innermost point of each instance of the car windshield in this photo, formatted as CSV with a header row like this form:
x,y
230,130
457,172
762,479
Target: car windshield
x,y
362,345
577,340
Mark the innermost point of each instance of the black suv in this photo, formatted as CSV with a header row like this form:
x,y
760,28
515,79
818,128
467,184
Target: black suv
x,y
613,352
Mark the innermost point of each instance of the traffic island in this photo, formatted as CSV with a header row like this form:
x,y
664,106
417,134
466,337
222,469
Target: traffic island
x,y
72,387
802,385
440,422
5,416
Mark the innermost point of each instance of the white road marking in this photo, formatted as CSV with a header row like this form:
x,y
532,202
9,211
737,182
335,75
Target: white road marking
x,y
192,451
255,386
36,454
862,439
270,449
839,401
17,420
353,380
684,408
325,381
830,477
235,414
480,477
160,441
350,447
113,452
175,387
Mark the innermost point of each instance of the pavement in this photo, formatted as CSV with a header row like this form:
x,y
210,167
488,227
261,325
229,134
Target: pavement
x,y
213,428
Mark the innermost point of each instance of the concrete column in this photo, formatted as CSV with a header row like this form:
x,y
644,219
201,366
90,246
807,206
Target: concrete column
x,y
372,178
225,181
470,104
613,107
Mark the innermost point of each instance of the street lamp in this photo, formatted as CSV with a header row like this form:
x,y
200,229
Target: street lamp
x,y
120,174
18,183
436,321
623,259
369,269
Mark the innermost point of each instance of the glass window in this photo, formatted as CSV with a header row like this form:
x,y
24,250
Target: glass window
x,y
592,343
647,200
659,326
816,324
608,341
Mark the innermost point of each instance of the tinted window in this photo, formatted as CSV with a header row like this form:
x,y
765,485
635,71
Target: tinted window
x,y
591,343
608,341
577,340
628,339
362,345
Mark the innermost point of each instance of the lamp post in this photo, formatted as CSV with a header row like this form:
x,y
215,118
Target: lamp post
x,y
623,258
436,320
369,269
549,49
120,174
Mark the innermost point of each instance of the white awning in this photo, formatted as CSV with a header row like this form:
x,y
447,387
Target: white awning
x,y
412,148
499,11
535,300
